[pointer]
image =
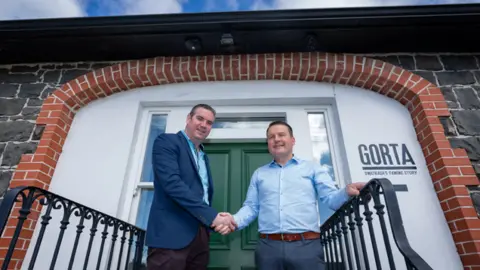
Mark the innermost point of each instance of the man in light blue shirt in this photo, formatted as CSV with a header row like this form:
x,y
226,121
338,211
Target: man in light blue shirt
x,y
283,194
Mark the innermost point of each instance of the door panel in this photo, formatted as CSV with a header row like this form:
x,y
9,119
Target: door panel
x,y
252,158
221,170
232,166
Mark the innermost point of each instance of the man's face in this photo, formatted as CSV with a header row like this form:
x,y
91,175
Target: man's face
x,y
200,124
280,142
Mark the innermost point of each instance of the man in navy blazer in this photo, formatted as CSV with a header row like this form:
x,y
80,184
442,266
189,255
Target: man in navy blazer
x,y
181,216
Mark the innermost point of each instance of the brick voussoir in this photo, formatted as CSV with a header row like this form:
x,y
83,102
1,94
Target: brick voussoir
x,y
450,168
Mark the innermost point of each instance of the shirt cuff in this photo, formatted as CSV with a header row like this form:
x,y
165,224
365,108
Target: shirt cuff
x,y
346,197
237,220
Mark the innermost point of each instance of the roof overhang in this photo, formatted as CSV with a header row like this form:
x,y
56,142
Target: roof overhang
x,y
420,29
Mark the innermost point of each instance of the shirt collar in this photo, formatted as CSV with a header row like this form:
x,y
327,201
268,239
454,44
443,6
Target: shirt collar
x,y
190,141
294,160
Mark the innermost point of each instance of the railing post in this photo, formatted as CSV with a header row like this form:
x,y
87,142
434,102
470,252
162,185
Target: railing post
x,y
6,210
139,250
356,211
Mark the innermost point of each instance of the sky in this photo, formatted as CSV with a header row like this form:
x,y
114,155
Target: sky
x,y
39,9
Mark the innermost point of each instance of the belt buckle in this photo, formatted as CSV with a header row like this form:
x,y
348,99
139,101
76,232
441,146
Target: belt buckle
x,y
282,237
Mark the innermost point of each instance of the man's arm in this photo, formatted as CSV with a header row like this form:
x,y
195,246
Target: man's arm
x,y
250,208
167,172
327,190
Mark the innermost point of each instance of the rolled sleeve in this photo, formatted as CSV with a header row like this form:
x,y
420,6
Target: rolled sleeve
x,y
327,190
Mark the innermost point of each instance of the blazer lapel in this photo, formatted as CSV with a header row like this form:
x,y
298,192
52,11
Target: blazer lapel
x,y
192,159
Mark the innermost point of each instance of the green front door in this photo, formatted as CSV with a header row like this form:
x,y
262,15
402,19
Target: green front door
x,y
232,165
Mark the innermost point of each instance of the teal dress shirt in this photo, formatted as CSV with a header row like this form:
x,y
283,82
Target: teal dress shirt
x,y
199,157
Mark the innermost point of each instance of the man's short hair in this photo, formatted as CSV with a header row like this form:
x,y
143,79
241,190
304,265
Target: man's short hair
x,y
204,106
283,123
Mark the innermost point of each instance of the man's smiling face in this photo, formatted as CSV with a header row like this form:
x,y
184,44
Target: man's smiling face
x,y
199,124
280,141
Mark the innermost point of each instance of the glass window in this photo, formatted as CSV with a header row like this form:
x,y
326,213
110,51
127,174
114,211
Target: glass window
x,y
157,127
321,153
146,198
245,122
145,188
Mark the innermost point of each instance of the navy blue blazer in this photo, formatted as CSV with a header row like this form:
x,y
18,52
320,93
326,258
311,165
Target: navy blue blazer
x,y
178,208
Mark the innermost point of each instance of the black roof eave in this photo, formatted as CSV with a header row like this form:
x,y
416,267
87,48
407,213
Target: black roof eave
x,y
439,28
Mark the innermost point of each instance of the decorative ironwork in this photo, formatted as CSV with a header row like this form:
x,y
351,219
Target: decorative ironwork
x,y
29,200
344,239
343,235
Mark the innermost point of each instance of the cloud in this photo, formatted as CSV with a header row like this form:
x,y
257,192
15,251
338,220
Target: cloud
x,y
305,4
215,5
299,4
209,5
136,7
261,5
29,9
233,4
37,9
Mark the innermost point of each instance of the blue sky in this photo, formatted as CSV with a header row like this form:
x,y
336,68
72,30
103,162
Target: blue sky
x,y
34,9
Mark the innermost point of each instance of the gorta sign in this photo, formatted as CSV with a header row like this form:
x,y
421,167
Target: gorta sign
x,y
386,159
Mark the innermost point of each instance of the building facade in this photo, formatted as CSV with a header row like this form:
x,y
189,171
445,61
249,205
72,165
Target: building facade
x,y
42,103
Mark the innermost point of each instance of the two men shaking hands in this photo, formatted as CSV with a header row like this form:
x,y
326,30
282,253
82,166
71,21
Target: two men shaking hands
x,y
224,223
283,194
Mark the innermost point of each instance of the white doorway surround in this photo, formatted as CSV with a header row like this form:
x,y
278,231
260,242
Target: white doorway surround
x,y
106,149
245,124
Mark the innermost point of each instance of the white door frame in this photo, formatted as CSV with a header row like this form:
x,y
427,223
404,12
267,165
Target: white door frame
x,y
296,116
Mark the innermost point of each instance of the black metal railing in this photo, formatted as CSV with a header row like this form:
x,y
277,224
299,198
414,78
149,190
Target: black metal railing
x,y
343,235
60,247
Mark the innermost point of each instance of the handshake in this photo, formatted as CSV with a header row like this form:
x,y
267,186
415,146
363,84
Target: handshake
x,y
224,223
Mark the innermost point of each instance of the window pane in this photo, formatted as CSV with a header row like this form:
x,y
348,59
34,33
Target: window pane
x,y
157,127
321,153
146,198
318,135
245,122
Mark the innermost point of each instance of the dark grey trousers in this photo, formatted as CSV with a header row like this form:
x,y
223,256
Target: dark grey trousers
x,y
296,255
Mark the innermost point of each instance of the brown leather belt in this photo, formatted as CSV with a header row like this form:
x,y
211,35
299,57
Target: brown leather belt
x,y
288,237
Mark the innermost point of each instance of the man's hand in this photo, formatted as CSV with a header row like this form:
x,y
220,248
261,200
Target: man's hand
x,y
224,223
353,189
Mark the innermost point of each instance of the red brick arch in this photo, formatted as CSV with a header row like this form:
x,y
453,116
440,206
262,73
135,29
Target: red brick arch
x,y
450,169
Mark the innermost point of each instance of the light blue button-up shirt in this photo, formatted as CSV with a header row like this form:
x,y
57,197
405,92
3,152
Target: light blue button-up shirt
x,y
284,198
201,166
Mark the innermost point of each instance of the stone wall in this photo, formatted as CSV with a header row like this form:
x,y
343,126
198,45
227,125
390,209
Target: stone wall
x,y
458,76
24,87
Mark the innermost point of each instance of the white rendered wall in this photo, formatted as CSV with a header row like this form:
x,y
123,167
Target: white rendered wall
x,y
371,119
94,165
